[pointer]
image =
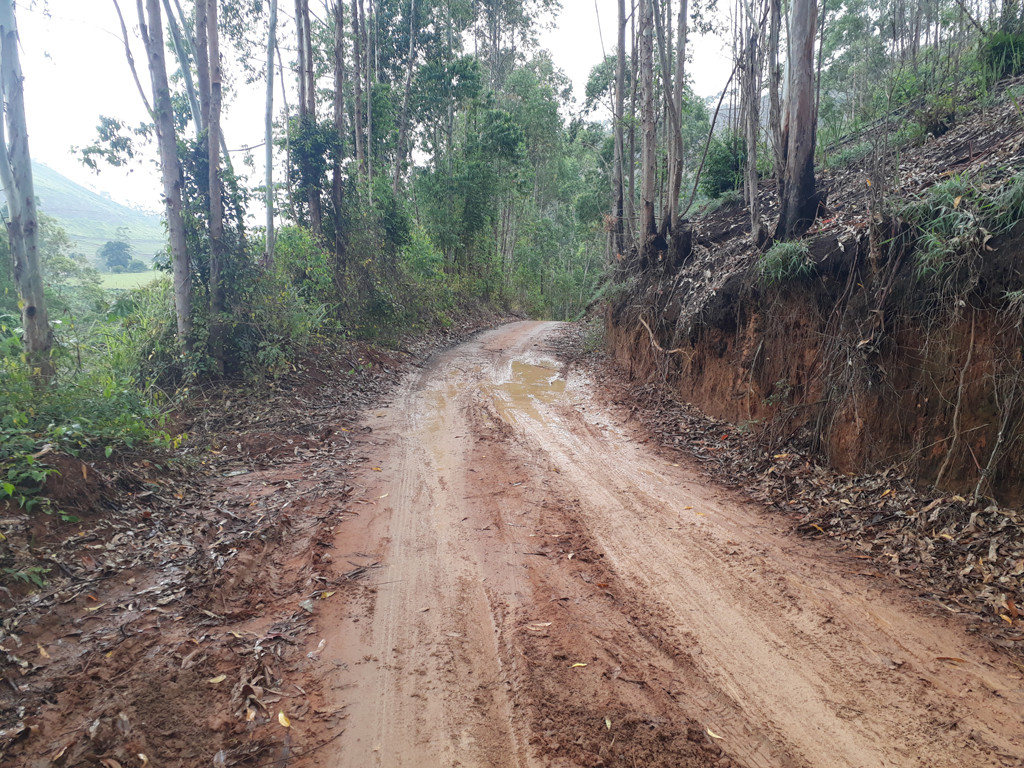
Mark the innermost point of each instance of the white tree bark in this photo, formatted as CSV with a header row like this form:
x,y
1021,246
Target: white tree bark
x,y
23,221
268,120
170,165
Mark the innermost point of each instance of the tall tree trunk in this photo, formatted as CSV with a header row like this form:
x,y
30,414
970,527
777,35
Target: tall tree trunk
x,y
369,47
218,253
403,123
268,127
682,31
203,60
23,221
648,148
798,202
618,193
307,106
631,222
170,165
337,188
752,125
774,87
357,81
674,128
181,51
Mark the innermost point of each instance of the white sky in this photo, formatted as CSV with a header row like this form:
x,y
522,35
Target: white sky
x,y
75,71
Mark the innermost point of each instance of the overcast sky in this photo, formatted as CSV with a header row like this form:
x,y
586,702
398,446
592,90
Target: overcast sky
x,y
75,71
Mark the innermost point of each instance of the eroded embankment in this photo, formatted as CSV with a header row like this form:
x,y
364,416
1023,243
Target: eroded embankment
x,y
898,343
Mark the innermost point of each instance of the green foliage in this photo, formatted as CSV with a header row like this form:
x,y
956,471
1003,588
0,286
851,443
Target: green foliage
x,y
848,155
954,220
785,261
723,170
116,253
1002,54
89,412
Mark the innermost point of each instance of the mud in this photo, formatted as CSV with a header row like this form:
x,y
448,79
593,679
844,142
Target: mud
x,y
552,591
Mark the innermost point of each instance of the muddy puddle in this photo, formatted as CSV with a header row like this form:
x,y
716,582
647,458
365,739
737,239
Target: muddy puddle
x,y
521,386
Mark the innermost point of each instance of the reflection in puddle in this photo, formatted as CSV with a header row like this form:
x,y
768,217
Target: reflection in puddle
x,y
528,385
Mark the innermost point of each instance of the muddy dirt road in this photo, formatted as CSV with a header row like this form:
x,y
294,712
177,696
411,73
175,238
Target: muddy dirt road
x,y
554,592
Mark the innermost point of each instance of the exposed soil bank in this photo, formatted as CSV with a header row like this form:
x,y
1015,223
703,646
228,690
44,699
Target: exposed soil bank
x,y
865,355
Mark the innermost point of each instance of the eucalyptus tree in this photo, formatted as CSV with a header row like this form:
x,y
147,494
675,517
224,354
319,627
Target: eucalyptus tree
x,y
797,199
162,112
268,121
23,220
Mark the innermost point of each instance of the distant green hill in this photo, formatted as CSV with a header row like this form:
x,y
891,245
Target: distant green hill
x,y
91,219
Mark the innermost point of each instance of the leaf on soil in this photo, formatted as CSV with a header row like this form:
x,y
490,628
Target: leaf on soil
x,y
91,608
714,735
42,651
951,659
579,664
325,595
608,723
217,679
282,718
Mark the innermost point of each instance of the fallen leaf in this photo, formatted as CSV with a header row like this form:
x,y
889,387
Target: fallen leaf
x,y
608,723
571,554
579,664
384,496
713,735
951,659
956,202
376,469
92,608
687,507
42,651
325,595
217,679
143,758
282,718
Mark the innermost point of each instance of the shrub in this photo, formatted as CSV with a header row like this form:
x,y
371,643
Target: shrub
x,y
785,261
723,170
1002,54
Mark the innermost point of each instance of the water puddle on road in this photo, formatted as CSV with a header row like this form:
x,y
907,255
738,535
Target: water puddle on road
x,y
526,386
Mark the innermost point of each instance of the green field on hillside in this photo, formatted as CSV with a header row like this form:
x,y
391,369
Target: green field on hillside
x,y
91,219
128,280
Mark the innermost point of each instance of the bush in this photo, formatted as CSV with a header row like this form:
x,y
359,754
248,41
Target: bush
x,y
785,261
137,266
723,170
1002,54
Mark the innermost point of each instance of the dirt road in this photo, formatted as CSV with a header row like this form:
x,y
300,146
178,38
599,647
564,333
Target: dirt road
x,y
554,592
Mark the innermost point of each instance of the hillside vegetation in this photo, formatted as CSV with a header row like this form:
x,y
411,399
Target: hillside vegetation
x,y
91,220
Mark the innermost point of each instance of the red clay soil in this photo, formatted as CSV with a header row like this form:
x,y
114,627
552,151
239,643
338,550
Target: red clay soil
x,y
492,570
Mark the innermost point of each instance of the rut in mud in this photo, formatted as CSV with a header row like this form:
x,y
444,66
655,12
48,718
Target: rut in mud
x,y
554,592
